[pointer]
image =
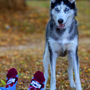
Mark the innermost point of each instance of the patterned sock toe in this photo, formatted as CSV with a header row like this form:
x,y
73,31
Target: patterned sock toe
x,y
37,82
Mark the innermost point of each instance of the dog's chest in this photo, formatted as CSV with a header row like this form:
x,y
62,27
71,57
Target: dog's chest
x,y
61,46
63,43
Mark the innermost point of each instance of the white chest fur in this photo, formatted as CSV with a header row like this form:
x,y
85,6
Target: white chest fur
x,y
63,45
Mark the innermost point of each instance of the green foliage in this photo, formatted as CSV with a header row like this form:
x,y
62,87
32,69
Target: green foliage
x,y
3,82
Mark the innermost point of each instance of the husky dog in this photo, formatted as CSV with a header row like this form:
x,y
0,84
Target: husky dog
x,y
61,40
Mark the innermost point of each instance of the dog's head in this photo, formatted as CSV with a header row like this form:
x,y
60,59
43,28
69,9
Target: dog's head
x,y
63,12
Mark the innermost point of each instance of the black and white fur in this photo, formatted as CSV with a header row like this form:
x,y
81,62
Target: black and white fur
x,y
61,40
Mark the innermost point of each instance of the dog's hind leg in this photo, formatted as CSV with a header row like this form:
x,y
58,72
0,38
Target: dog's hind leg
x,y
46,62
74,61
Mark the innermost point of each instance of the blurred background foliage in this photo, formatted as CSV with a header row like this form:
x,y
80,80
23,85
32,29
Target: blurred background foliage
x,y
32,15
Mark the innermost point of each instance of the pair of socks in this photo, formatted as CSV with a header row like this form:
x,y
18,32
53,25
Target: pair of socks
x,y
37,82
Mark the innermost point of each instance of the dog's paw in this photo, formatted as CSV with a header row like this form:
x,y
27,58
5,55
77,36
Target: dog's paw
x,y
73,85
53,87
78,87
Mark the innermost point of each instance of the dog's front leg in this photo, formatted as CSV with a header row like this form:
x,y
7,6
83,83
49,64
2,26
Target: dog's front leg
x,y
70,72
46,62
74,61
53,70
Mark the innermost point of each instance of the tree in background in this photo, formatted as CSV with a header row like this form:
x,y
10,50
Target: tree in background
x,y
12,4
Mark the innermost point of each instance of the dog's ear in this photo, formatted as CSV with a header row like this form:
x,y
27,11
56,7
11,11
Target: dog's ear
x,y
53,0
71,1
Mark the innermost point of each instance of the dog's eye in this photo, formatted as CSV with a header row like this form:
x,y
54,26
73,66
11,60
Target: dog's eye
x,y
56,9
66,9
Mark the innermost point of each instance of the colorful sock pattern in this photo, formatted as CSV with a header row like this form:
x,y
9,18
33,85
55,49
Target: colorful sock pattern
x,y
37,82
11,80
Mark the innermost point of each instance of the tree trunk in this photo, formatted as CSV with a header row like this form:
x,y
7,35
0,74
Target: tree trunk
x,y
12,4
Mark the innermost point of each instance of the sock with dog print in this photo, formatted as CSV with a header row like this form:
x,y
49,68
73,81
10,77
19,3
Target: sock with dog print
x,y
37,82
11,80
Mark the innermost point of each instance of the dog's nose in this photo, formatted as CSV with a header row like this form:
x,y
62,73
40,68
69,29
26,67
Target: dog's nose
x,y
60,21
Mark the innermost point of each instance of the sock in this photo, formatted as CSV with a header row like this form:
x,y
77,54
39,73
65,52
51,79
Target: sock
x,y
11,80
37,82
